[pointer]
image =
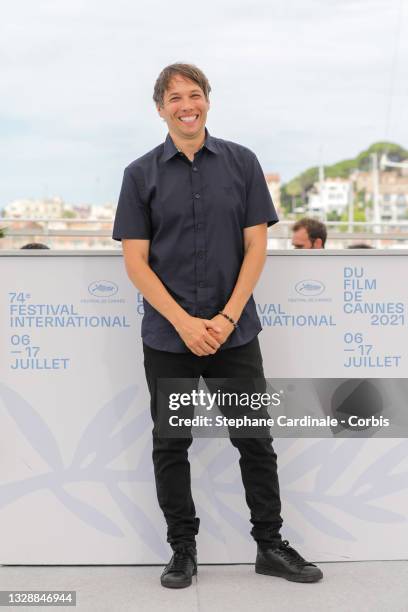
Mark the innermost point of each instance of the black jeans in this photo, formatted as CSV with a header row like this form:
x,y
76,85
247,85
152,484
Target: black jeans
x,y
170,455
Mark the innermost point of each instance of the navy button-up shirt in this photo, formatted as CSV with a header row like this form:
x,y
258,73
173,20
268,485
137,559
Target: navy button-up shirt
x,y
194,214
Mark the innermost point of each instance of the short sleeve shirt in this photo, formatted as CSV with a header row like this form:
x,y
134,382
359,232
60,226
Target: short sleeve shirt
x,y
194,214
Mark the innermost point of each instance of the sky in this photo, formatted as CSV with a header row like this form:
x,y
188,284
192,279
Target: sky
x,y
300,82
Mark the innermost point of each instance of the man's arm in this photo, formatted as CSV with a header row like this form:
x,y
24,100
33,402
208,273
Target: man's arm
x,y
192,330
255,246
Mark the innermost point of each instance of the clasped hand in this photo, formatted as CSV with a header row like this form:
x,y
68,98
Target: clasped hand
x,y
205,336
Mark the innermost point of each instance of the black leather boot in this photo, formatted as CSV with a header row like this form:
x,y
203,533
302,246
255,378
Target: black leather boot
x,y
182,567
285,562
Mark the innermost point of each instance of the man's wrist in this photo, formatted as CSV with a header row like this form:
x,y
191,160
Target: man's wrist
x,y
233,311
178,318
226,316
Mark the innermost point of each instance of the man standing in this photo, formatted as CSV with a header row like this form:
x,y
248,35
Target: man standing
x,y
193,216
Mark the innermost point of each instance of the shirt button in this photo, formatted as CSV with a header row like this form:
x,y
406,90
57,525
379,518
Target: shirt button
x,y
195,169
200,254
201,284
197,196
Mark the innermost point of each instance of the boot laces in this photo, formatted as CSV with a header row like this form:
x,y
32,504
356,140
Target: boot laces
x,y
290,554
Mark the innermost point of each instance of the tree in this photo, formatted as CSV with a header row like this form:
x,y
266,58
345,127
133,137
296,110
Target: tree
x,y
68,214
301,184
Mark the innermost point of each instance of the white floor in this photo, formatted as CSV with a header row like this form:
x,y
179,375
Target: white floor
x,y
375,586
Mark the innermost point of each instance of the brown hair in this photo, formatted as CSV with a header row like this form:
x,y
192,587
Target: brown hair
x,y
189,71
315,229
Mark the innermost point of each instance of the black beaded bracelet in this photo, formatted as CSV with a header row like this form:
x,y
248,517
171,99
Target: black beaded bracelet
x,y
228,318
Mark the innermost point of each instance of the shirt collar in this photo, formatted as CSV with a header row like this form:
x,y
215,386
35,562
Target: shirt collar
x,y
170,149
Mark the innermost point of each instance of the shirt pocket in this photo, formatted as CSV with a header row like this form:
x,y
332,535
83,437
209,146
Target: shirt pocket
x,y
227,200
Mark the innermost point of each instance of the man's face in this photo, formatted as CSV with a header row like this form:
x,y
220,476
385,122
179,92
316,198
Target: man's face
x,y
301,240
184,108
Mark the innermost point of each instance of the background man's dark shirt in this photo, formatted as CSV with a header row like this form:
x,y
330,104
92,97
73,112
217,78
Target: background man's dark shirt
x,y
194,214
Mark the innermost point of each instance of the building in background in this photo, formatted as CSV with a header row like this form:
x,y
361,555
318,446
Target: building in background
x,y
59,225
330,195
392,193
274,184
104,212
50,208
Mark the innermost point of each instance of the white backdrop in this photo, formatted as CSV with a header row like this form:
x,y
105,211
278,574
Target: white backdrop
x,y
76,479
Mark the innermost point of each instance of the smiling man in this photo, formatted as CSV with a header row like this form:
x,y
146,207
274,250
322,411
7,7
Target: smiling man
x,y
193,216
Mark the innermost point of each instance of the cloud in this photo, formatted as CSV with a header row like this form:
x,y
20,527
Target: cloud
x,y
288,78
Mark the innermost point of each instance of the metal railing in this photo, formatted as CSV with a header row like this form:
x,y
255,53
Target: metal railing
x,y
96,233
